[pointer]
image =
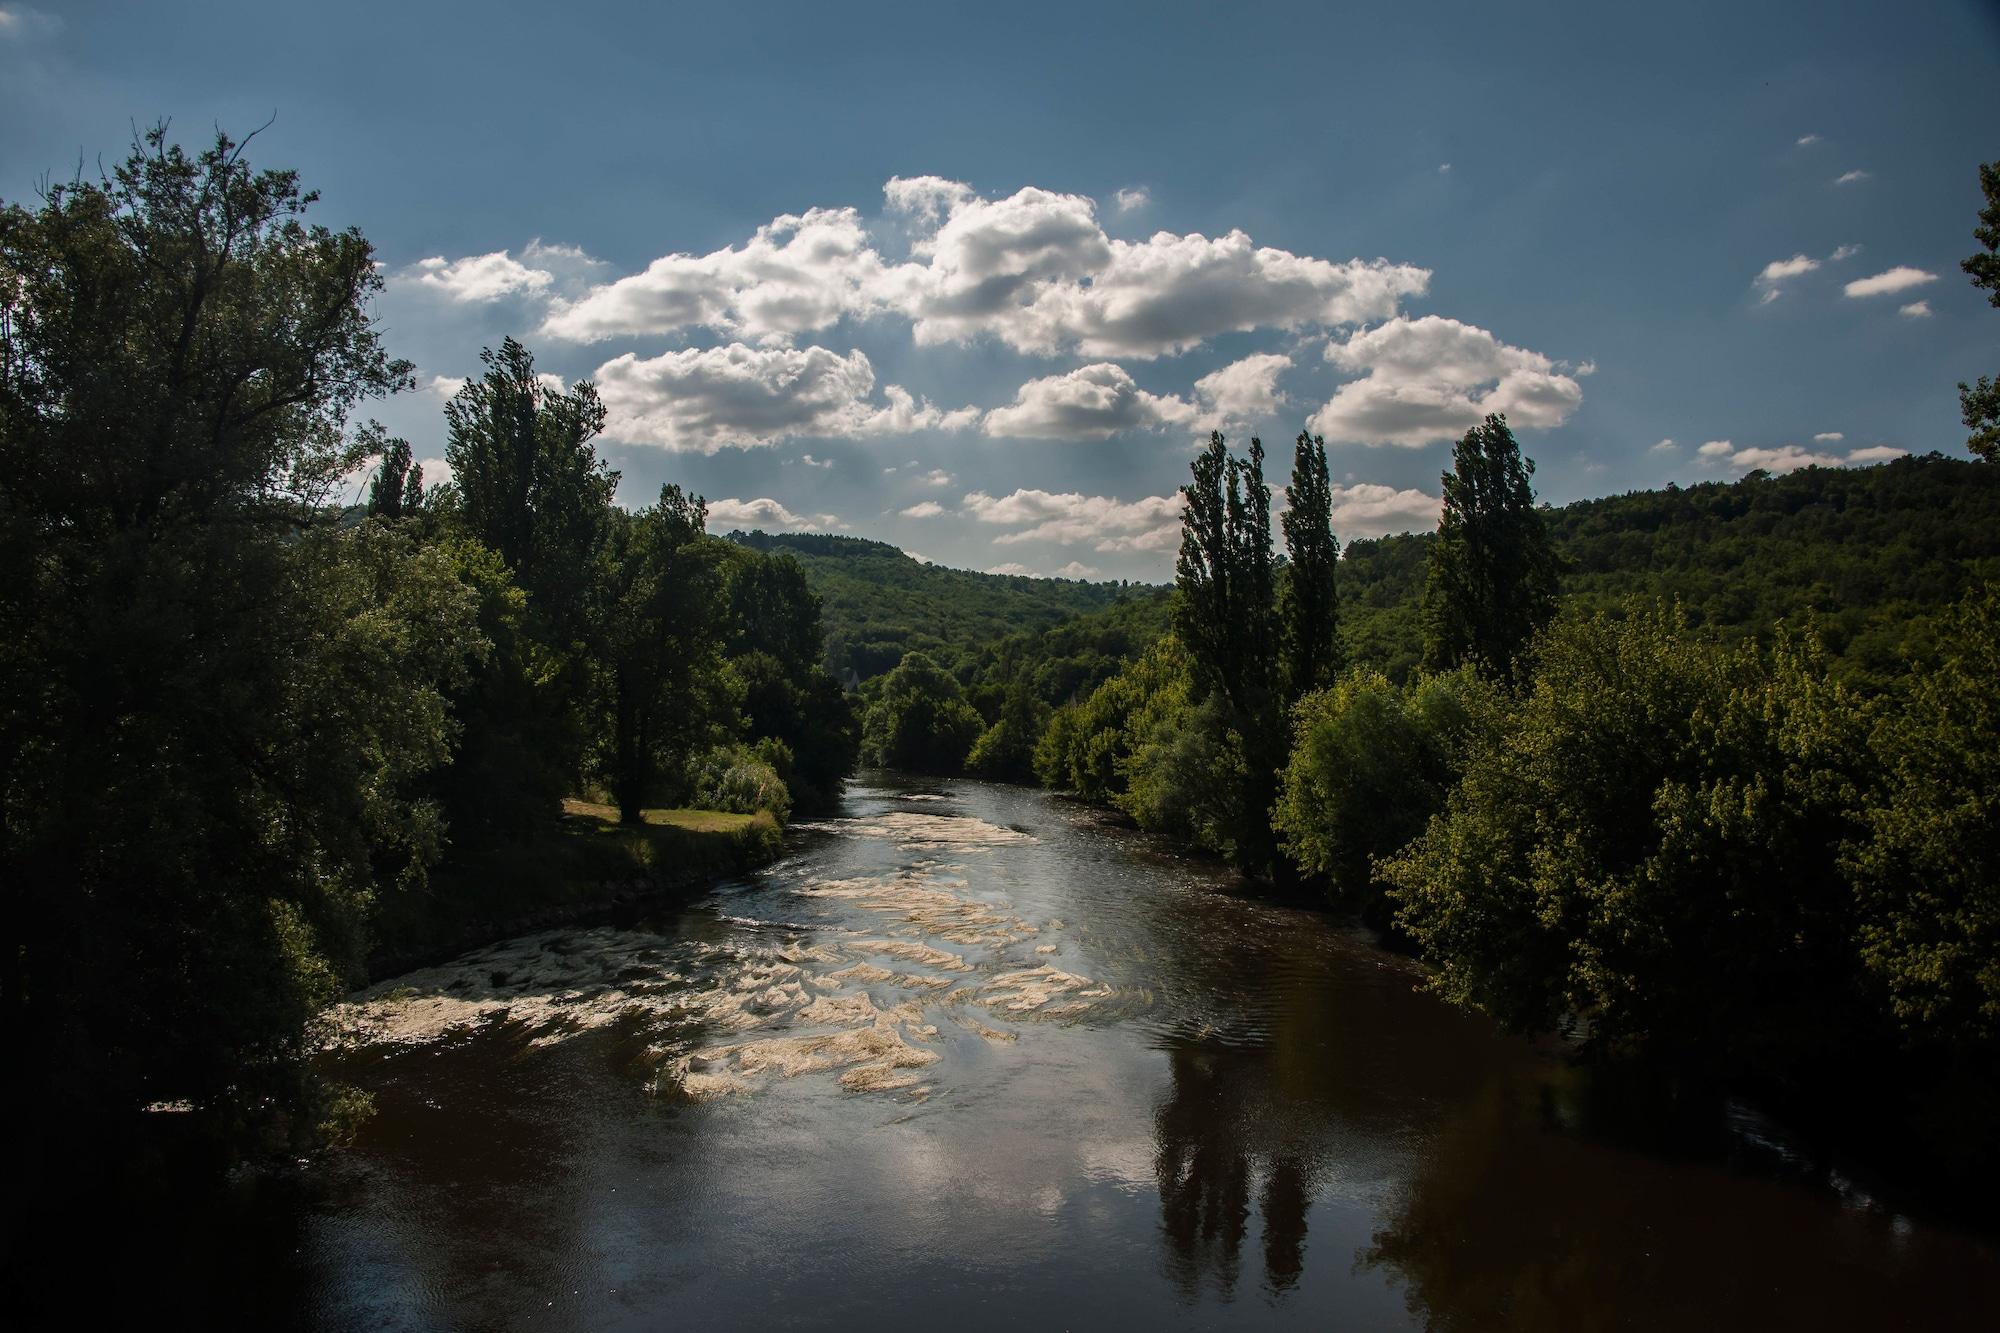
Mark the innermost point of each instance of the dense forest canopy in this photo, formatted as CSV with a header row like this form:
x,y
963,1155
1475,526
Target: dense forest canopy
x,y
879,602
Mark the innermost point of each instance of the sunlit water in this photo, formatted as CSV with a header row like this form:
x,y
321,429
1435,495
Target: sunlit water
x,y
965,1059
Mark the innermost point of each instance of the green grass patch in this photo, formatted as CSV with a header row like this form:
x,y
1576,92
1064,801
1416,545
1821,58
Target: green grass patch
x,y
577,864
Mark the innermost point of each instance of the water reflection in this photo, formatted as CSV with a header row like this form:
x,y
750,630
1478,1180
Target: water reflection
x,y
1251,1110
1211,1148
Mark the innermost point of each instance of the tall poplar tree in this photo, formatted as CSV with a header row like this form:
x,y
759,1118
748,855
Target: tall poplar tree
x,y
1980,403
1310,610
1493,572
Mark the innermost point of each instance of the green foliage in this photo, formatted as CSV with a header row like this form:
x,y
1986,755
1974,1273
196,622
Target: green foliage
x,y
1874,554
1980,403
1649,842
1225,612
665,617
1928,876
217,710
879,603
528,482
1493,575
1006,751
1188,776
1087,745
1309,604
919,721
1371,763
1224,576
787,694
736,779
398,484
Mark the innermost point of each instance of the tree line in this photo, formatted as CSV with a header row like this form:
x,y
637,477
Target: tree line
x,y
238,719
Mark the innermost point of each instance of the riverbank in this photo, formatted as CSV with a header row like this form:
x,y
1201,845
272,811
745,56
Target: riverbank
x,y
584,867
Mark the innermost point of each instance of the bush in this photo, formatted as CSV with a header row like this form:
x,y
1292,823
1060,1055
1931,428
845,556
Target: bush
x,y
742,781
1650,841
919,721
1928,879
1370,764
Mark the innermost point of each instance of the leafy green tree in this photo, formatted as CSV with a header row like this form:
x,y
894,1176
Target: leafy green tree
x,y
1088,745
217,710
1225,614
1980,403
398,485
1309,609
665,620
1224,574
1928,877
1494,574
1651,842
920,721
529,482
1371,763
776,651
1006,751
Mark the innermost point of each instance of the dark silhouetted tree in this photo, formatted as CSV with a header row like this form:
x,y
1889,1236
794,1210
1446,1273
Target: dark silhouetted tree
x,y
1494,573
1310,611
1980,402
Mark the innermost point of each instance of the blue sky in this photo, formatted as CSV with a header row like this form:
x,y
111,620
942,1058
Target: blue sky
x,y
978,282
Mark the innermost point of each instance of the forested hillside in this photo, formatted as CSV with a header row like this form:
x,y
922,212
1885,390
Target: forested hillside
x,y
1873,553
880,603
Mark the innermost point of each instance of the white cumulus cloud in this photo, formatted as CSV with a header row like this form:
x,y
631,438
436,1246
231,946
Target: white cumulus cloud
x,y
1791,457
924,509
1132,199
1829,437
739,396
1089,403
1898,279
765,513
1851,177
1433,379
481,278
1915,310
1069,518
1367,509
797,274
1245,390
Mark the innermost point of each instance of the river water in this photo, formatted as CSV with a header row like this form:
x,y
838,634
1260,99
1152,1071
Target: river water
x,y
967,1058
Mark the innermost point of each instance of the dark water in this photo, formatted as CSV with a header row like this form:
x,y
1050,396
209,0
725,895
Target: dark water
x,y
1192,1109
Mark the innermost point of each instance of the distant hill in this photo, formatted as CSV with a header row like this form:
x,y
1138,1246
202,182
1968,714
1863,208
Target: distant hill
x,y
1873,553
881,603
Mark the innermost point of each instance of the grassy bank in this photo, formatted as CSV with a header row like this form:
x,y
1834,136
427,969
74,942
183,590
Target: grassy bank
x,y
584,864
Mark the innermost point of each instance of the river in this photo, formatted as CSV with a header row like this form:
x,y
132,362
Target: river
x,y
968,1058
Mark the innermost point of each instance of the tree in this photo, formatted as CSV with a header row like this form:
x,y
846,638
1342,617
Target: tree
x,y
1928,877
920,722
398,485
217,709
776,651
529,483
1494,574
1226,617
1007,749
1651,841
1310,610
665,622
1371,763
1980,403
1224,575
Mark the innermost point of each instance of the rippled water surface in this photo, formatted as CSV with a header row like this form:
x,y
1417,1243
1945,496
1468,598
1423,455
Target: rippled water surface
x,y
967,1059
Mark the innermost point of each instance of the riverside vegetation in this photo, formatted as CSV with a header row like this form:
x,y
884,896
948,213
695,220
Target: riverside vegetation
x,y
1703,778
250,736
